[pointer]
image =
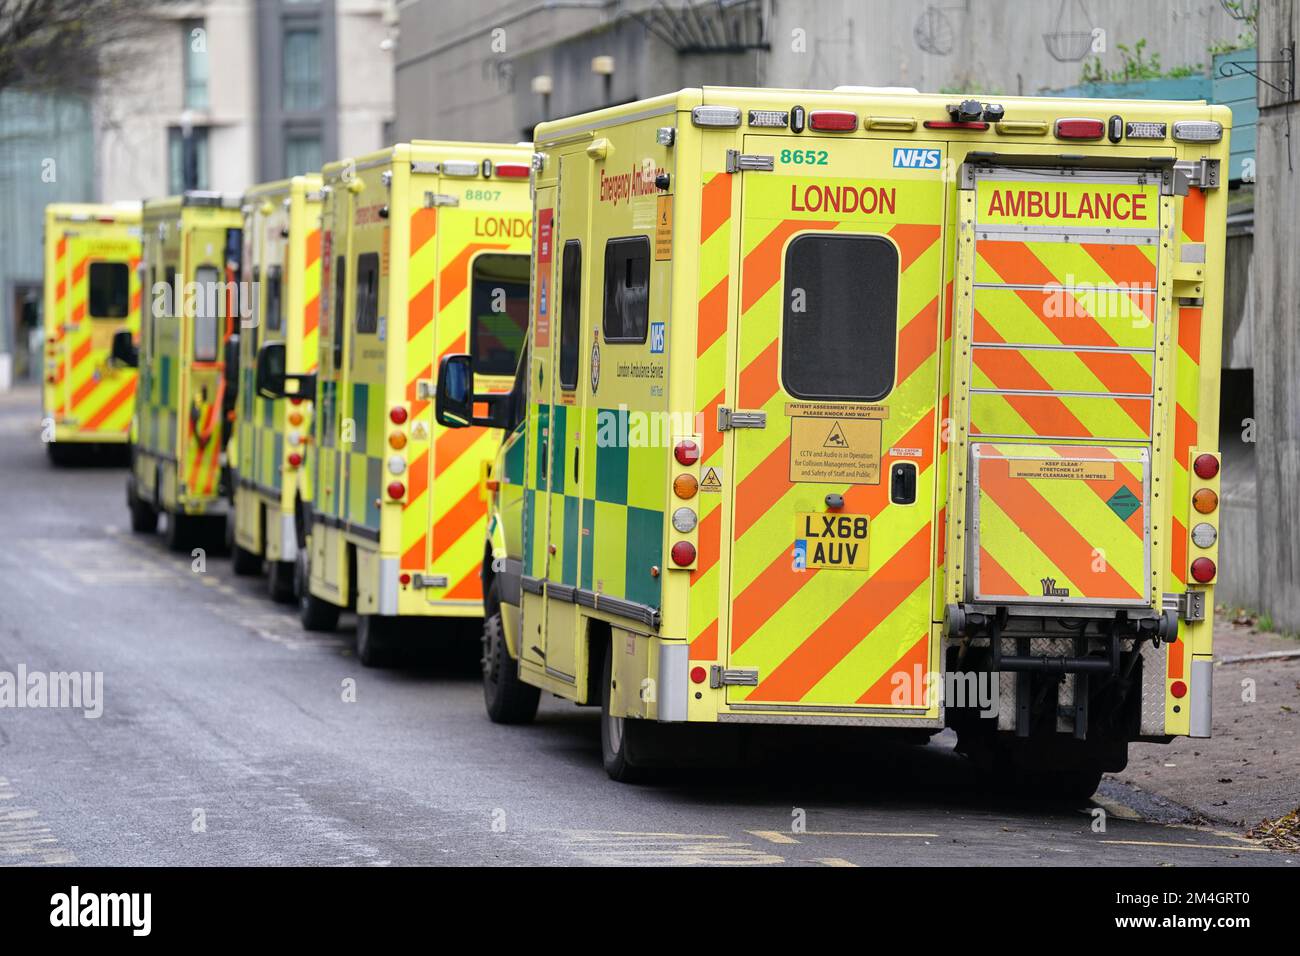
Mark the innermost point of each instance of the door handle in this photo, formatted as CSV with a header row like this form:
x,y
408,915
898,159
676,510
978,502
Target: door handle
x,y
575,466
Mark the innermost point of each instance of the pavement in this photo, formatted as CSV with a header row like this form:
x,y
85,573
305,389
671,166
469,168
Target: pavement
x,y
230,736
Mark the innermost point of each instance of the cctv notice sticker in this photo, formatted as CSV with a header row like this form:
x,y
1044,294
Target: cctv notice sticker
x,y
835,444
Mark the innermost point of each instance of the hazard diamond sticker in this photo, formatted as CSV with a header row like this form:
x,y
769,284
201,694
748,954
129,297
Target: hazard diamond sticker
x,y
1124,503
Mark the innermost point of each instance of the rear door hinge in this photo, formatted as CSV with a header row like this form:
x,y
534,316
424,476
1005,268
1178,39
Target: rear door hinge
x,y
432,200
720,676
729,419
1202,173
749,162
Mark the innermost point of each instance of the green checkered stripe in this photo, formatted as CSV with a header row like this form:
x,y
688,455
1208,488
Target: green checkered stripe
x,y
158,424
260,445
611,529
363,480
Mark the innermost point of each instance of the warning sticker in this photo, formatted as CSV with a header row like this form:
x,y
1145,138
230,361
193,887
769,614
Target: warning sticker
x,y
712,480
830,541
832,410
664,229
1123,502
835,451
1062,468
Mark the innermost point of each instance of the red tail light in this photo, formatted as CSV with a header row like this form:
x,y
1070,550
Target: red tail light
x,y
295,459
512,171
699,675
683,553
1206,466
1080,129
1203,570
397,415
832,121
1178,689
396,489
687,452
954,124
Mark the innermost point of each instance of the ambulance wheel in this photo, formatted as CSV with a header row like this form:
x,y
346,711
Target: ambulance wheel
x,y
279,581
624,743
316,614
179,531
144,516
243,562
301,572
61,454
375,639
508,699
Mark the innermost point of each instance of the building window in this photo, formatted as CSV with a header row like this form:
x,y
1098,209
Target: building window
x,y
302,154
838,336
176,179
302,70
194,37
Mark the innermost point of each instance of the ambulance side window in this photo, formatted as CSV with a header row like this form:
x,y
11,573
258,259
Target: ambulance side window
x,y
110,284
368,293
206,311
274,300
340,311
570,312
627,289
840,318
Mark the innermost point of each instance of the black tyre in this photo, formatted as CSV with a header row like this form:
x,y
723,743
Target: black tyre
x,y
375,639
315,613
180,531
507,698
279,581
62,454
243,562
626,745
144,516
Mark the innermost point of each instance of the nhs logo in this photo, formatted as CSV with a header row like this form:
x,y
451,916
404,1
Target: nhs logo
x,y
909,157
656,338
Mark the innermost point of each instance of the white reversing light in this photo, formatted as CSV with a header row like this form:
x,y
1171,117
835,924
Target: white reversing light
x,y
1198,131
717,116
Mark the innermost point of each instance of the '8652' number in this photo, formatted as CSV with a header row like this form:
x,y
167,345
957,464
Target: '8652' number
x,y
805,157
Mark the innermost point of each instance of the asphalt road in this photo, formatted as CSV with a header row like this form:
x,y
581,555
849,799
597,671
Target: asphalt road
x,y
227,737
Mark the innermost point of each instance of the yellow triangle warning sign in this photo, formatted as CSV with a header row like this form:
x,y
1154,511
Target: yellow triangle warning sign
x,y
836,438
712,481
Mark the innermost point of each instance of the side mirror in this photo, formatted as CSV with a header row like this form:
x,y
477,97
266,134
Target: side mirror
x,y
454,400
231,369
123,350
270,376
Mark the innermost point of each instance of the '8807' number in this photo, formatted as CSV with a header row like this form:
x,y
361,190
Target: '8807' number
x,y
805,157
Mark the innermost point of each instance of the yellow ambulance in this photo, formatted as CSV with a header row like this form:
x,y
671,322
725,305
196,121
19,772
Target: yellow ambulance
x,y
270,443
92,291
424,252
866,408
192,247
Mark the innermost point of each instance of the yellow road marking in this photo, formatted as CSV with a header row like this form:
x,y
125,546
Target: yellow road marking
x,y
1116,809
1189,846
835,861
772,836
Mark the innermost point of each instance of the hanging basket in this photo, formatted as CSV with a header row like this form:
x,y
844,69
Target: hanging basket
x,y
1068,47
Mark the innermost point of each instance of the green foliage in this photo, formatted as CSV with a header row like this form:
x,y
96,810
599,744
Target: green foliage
x,y
1135,65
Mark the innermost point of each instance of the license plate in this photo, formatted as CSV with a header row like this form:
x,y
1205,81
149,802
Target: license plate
x,y
832,541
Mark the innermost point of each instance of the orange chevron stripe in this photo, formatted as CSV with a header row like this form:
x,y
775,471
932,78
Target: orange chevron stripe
x,y
419,478
705,645
762,267
762,488
61,248
468,587
758,381
310,320
459,519
1189,333
712,437
913,240
1185,434
120,397
454,278
313,249
916,341
413,557
715,205
1125,264
1178,553
712,316
419,312
850,623
1047,415
424,224
79,271
1048,529
915,661
710,535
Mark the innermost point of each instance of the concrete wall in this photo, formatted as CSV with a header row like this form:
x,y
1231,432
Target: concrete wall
x,y
1276,266
454,78
365,70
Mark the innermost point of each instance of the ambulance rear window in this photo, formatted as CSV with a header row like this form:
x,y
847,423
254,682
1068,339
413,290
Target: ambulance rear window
x,y
368,293
207,308
627,289
274,299
841,316
110,290
498,312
